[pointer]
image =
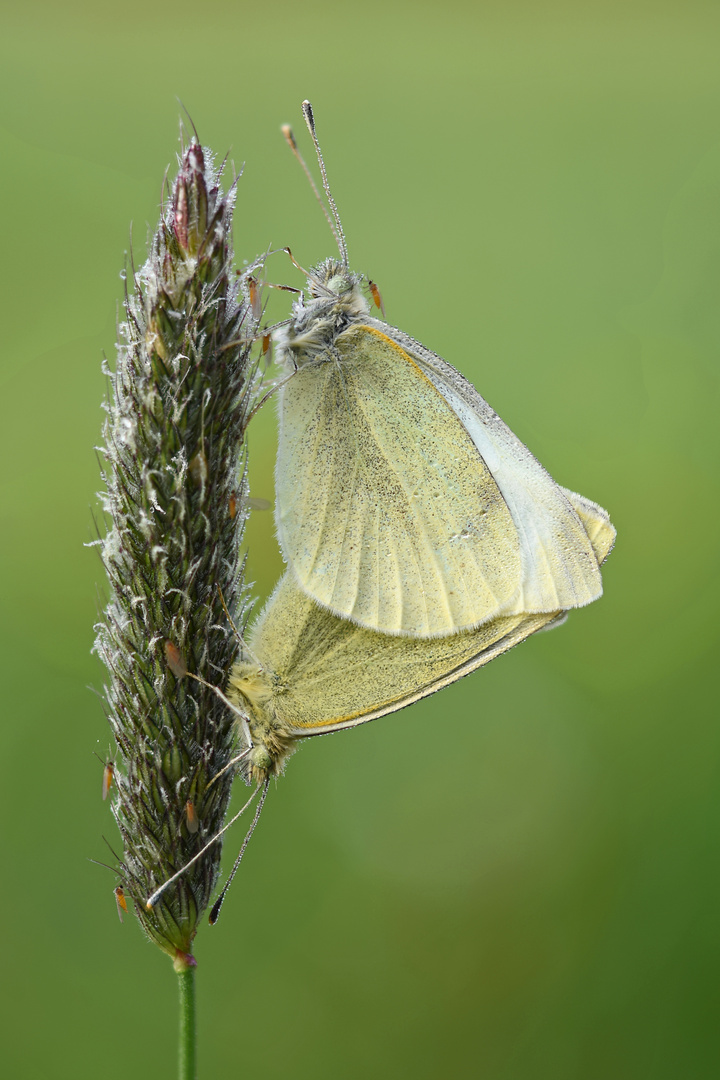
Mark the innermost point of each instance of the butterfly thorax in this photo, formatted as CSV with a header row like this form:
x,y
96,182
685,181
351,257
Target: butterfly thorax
x,y
335,300
252,689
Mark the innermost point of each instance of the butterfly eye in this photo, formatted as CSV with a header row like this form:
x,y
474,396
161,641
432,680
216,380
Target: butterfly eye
x,y
339,284
261,758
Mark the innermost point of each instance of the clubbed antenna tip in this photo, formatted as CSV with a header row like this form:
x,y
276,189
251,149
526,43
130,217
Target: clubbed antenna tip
x,y
334,221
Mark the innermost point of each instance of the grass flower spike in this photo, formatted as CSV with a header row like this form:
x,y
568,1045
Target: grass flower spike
x,y
174,504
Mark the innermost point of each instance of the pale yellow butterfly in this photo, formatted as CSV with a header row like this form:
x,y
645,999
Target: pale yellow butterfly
x,y
404,503
306,672
302,671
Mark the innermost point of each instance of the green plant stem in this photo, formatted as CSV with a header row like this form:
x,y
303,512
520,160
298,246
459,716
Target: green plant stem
x,y
187,1043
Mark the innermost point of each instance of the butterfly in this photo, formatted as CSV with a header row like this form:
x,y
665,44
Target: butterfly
x,y
303,671
403,502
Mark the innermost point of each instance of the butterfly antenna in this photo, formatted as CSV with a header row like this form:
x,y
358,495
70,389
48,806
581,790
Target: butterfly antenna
x,y
215,912
152,900
338,231
290,139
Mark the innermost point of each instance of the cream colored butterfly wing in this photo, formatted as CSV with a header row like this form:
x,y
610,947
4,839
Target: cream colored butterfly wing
x,y
328,673
386,512
596,522
560,569
321,673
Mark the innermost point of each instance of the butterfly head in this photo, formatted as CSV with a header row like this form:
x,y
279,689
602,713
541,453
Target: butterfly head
x,y
251,688
336,297
332,282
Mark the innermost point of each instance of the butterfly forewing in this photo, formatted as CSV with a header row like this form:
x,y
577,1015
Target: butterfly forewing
x,y
559,567
596,522
388,514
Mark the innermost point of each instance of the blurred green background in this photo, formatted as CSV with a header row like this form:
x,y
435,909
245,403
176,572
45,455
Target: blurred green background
x,y
536,189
